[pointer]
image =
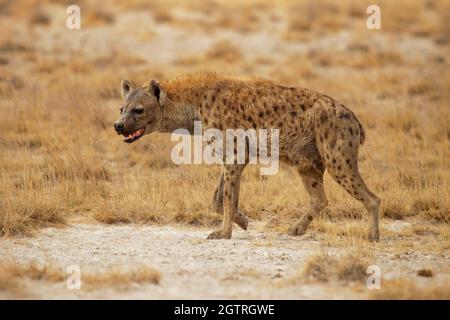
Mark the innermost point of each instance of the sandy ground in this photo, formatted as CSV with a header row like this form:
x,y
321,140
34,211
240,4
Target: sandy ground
x,y
252,265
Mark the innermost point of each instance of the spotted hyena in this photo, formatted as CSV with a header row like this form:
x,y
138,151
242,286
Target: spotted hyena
x,y
316,133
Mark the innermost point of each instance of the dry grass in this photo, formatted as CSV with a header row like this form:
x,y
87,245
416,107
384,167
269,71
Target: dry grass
x,y
405,289
13,277
60,157
324,267
120,278
12,274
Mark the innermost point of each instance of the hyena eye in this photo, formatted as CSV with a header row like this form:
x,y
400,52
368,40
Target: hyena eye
x,y
121,110
138,111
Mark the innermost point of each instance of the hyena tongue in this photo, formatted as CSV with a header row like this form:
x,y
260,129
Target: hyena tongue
x,y
138,132
134,134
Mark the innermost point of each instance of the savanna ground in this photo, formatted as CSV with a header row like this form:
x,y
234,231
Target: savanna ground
x,y
72,193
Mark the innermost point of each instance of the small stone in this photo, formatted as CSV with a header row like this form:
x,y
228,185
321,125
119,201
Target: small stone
x,y
425,273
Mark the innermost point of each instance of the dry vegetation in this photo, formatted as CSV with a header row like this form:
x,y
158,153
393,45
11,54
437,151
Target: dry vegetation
x,y
12,273
351,270
121,278
14,277
59,94
405,289
324,266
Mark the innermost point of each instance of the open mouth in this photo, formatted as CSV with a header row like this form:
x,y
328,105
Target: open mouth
x,y
134,135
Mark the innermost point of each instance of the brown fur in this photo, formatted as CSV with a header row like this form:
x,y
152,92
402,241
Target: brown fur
x,y
316,133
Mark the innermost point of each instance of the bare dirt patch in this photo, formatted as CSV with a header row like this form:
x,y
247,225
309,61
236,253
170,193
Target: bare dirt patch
x,y
253,265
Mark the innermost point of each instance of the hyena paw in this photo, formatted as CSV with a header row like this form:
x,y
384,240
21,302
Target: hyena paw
x,y
373,235
241,220
300,227
219,234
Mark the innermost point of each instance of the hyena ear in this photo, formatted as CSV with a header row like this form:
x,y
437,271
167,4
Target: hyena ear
x,y
154,88
126,86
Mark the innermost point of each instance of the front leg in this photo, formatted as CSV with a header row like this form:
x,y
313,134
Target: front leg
x,y
231,185
239,218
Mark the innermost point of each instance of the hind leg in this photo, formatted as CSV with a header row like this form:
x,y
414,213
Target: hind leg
x,y
239,218
346,174
312,178
338,137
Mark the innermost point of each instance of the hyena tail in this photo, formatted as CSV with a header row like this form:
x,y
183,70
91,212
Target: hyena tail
x,y
362,133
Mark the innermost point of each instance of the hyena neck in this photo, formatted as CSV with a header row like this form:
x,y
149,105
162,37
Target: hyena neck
x,y
179,112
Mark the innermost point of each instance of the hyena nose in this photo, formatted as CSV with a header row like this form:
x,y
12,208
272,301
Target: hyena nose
x,y
119,127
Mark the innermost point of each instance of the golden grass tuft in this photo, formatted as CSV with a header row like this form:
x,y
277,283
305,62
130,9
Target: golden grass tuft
x,y
119,278
323,267
405,289
13,275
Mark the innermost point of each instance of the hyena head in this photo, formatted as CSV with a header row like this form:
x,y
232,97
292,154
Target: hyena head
x,y
141,111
